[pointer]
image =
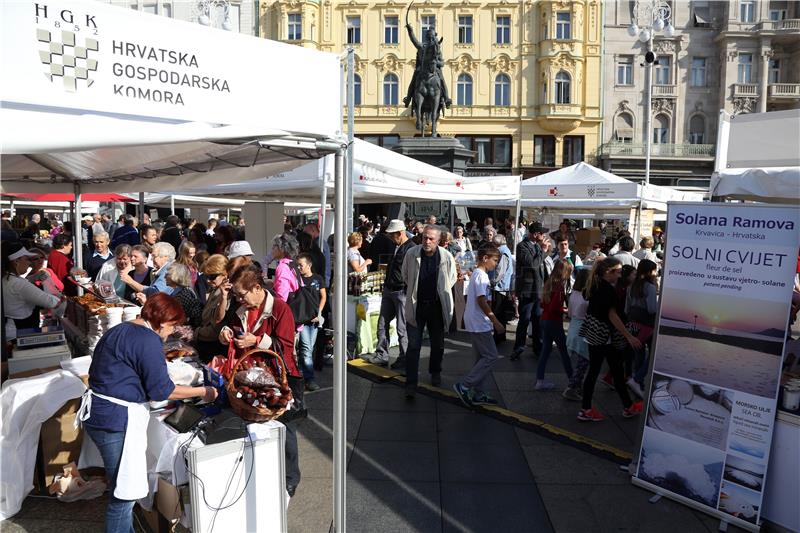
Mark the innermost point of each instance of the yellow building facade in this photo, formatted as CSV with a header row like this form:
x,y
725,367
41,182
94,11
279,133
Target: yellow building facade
x,y
524,76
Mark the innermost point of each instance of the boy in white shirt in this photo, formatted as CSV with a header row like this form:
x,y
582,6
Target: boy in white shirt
x,y
479,321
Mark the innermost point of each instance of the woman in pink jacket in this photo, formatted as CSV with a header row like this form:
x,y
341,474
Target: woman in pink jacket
x,y
284,250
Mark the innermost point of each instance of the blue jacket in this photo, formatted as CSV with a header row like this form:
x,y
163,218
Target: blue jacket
x,y
125,235
160,282
503,275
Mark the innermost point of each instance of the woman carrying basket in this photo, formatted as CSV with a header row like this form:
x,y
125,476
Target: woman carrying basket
x,y
265,322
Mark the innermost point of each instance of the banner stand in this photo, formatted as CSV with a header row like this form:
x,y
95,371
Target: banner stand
x,y
715,367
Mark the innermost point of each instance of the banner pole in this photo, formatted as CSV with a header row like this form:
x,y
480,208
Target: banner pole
x,y
340,351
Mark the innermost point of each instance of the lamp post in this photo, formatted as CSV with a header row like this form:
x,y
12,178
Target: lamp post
x,y
206,11
649,18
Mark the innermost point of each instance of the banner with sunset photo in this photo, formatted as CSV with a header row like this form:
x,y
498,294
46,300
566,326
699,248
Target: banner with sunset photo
x,y
716,362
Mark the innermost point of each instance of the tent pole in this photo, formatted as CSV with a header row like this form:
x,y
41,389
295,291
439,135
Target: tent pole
x,y
340,349
351,64
323,203
516,218
140,209
77,229
171,204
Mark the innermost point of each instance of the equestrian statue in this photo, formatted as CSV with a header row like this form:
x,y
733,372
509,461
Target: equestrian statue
x,y
427,90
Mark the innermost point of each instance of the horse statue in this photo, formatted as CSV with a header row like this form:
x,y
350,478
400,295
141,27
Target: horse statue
x,y
427,90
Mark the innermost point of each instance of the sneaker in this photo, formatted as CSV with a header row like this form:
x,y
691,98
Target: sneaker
x,y
608,381
635,388
399,364
572,394
635,409
464,394
436,379
590,415
312,386
543,384
481,398
516,353
378,361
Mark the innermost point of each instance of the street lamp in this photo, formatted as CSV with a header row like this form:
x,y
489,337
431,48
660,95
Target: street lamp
x,y
206,9
654,16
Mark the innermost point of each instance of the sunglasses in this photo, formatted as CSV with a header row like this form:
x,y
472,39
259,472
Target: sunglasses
x,y
212,277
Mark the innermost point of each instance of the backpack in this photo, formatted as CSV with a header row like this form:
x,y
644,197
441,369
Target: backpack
x,y
304,302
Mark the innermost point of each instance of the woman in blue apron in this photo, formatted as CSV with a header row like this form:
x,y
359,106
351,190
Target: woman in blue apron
x,y
128,370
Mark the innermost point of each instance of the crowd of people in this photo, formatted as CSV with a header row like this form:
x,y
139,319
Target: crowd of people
x,y
612,288
207,279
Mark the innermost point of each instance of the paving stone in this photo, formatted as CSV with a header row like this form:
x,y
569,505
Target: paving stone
x,y
383,460
377,506
311,509
392,398
465,462
397,426
469,426
519,508
560,464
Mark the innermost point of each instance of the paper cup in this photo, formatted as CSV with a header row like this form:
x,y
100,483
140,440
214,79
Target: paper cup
x,y
114,315
130,313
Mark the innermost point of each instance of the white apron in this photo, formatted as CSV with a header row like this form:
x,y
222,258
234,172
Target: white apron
x,y
132,474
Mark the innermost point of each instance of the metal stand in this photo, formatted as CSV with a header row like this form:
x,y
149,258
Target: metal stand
x,y
723,526
655,498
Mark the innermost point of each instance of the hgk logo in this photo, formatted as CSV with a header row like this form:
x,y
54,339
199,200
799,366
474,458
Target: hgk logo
x,y
66,44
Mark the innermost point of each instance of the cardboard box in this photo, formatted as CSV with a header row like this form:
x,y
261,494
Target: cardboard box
x,y
59,442
169,500
151,520
585,238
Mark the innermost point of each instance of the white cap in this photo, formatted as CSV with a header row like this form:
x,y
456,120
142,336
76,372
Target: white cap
x,y
395,225
239,248
22,252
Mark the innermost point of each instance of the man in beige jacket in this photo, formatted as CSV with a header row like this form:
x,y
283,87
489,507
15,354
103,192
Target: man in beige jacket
x,y
429,272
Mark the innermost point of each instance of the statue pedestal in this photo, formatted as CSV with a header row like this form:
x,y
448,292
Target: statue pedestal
x,y
446,153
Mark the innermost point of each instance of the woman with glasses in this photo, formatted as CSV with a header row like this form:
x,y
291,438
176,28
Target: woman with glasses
x,y
604,308
266,322
215,312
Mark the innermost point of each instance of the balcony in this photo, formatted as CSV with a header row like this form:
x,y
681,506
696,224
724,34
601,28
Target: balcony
x,y
781,91
749,90
620,149
781,25
665,91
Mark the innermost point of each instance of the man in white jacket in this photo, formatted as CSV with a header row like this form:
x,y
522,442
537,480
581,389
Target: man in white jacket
x,y
429,272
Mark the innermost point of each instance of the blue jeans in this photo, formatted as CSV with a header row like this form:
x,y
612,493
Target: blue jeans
x,y
528,306
119,514
305,350
553,331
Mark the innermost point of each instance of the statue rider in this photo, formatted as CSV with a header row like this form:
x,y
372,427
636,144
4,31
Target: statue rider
x,y
429,41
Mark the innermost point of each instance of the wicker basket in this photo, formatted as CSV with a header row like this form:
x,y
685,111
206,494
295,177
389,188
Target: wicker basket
x,y
241,407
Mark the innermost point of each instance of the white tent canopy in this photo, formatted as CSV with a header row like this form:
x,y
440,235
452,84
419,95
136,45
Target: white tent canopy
x,y
148,113
758,157
582,186
379,175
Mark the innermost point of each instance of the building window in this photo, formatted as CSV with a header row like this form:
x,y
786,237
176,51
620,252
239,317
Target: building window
x,y
562,88
503,30
777,14
625,70
464,90
166,10
502,90
150,8
747,10
664,71
465,29
494,151
391,27
573,149
774,71
623,128
353,30
697,130
544,150
428,24
660,130
563,29
698,72
745,68
386,141
295,27
391,89
501,151
356,89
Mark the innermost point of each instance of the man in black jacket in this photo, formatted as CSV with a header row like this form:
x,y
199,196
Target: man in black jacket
x,y
393,300
529,279
172,233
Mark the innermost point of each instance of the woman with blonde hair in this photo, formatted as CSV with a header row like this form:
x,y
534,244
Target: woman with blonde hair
x,y
218,304
186,253
355,261
551,322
